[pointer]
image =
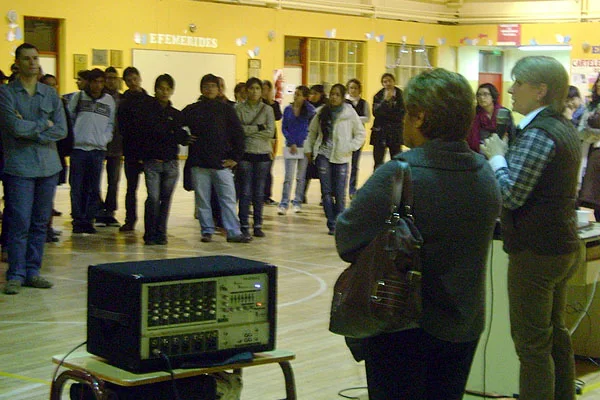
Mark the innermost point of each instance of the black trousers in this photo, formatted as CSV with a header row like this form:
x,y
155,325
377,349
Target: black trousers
x,y
379,152
412,365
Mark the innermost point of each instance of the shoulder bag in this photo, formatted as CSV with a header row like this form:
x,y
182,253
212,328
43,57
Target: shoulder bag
x,y
381,291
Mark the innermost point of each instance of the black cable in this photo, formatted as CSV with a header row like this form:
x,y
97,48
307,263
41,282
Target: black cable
x,y
341,392
63,360
165,358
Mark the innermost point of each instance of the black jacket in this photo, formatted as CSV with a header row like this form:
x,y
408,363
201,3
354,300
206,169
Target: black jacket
x,y
165,132
219,134
389,119
133,121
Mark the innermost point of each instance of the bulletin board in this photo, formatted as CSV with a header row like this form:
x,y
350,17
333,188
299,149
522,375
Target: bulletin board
x,y
187,68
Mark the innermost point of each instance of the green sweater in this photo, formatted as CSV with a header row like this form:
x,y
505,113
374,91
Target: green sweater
x,y
456,204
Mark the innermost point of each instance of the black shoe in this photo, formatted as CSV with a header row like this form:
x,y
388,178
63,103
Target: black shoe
x,y
84,229
270,202
56,213
246,232
50,238
101,221
161,241
128,227
259,232
207,238
331,232
111,221
241,238
149,242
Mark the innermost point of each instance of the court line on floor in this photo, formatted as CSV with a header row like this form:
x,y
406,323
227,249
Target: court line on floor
x,y
23,378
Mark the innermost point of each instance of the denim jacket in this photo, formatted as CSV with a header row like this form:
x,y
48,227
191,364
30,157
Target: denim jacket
x,y
29,144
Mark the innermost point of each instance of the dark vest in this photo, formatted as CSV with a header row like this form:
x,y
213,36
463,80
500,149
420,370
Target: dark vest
x,y
546,224
359,108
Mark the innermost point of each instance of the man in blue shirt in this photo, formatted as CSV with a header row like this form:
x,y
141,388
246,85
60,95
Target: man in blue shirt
x,y
32,120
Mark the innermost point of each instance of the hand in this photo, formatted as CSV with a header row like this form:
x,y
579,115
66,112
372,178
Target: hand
x,y
191,139
229,163
293,149
50,124
18,114
309,156
494,146
389,94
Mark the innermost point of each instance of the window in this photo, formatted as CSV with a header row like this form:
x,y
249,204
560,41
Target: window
x,y
334,61
405,61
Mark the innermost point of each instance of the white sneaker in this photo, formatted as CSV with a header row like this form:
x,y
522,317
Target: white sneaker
x,y
281,211
297,209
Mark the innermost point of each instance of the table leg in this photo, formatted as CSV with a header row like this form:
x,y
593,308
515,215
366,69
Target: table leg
x,y
290,384
95,384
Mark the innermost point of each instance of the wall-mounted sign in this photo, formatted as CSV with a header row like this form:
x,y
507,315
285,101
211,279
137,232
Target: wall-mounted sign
x,y
80,63
509,35
177,40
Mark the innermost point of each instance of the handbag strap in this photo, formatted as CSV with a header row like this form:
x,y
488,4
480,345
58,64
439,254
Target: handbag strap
x,y
402,190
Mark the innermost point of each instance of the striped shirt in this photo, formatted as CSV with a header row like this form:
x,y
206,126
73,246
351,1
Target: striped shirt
x,y
519,171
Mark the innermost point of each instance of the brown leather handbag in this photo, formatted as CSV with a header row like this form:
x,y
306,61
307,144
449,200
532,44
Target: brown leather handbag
x,y
381,291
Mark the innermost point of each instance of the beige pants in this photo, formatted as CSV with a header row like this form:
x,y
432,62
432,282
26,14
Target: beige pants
x,y
537,289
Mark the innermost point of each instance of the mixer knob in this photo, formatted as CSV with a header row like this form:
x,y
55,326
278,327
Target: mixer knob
x,y
212,312
186,315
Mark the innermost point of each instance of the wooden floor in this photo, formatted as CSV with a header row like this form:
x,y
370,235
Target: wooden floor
x,y
37,324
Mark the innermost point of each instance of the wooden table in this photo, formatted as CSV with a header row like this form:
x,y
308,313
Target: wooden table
x,y
95,371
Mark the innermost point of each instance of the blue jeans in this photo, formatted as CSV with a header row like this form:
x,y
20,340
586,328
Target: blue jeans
x,y
333,179
28,206
133,169
161,178
354,172
290,171
84,178
253,175
204,180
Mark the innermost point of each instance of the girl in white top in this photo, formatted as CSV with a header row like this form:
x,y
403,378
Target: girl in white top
x,y
333,135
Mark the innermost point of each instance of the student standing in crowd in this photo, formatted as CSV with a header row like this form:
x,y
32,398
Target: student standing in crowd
x,y
388,109
217,147
432,362
537,173
64,147
317,98
487,114
114,152
296,118
93,113
268,98
130,118
32,120
160,146
575,107
258,122
334,133
589,127
362,108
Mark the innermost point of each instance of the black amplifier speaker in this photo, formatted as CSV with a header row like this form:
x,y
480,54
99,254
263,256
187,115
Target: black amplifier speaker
x,y
193,310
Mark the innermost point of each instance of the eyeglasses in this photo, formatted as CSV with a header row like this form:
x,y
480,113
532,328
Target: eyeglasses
x,y
483,95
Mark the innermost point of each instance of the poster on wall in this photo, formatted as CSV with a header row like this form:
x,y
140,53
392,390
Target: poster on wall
x,y
584,73
278,84
509,35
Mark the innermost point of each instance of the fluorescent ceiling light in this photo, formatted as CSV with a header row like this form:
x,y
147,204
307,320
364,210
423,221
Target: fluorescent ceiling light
x,y
545,48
